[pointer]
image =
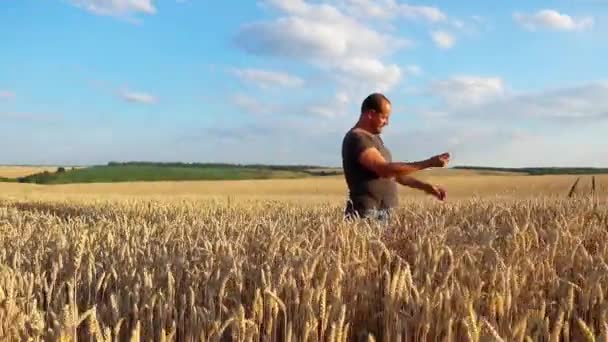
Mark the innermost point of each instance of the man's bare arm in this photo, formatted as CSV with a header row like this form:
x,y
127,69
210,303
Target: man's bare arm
x,y
412,182
373,160
434,190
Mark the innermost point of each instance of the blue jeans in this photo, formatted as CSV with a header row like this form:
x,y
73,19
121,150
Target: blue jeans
x,y
381,215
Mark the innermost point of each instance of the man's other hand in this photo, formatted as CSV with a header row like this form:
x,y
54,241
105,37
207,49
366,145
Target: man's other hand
x,y
440,160
437,191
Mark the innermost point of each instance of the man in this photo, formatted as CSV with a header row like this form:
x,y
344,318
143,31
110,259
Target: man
x,y
370,173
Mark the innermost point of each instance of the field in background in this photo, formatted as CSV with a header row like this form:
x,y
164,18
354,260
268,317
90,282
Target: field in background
x,y
460,184
20,171
115,172
508,257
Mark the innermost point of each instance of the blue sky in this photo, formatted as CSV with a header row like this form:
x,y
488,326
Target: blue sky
x,y
510,83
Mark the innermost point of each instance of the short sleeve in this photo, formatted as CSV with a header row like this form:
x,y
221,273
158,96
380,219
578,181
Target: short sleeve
x,y
356,143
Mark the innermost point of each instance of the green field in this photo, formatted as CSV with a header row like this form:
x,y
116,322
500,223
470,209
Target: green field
x,y
131,173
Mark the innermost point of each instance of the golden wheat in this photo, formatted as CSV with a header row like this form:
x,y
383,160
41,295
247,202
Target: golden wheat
x,y
470,270
310,190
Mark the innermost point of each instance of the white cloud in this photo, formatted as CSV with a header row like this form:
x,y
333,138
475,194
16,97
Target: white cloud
x,y
473,97
466,143
123,92
389,9
386,13
562,147
429,13
332,107
443,39
551,127
6,95
500,146
468,90
268,78
315,38
380,77
138,97
335,107
116,7
553,20
486,124
578,103
325,37
367,8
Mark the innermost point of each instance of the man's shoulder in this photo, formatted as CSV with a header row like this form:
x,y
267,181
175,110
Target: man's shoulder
x,y
356,141
357,133
352,137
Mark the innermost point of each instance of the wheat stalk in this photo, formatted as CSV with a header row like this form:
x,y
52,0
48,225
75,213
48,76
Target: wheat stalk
x,y
573,187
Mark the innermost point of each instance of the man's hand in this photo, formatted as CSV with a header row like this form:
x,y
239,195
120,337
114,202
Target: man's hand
x,y
440,160
430,189
436,191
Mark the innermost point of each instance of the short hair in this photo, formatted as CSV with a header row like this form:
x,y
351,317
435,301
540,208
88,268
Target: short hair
x,y
374,102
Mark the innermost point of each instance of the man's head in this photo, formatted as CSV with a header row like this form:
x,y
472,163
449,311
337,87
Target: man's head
x,y
375,112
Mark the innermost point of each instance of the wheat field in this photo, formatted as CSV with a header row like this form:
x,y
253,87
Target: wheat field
x,y
460,185
20,171
508,258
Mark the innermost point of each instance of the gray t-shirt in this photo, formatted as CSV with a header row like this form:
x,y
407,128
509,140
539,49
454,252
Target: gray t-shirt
x,y
367,190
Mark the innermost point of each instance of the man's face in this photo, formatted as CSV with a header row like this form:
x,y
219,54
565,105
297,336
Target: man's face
x,y
380,119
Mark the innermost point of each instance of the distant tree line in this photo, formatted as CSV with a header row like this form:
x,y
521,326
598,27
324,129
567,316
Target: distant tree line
x,y
540,170
217,165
